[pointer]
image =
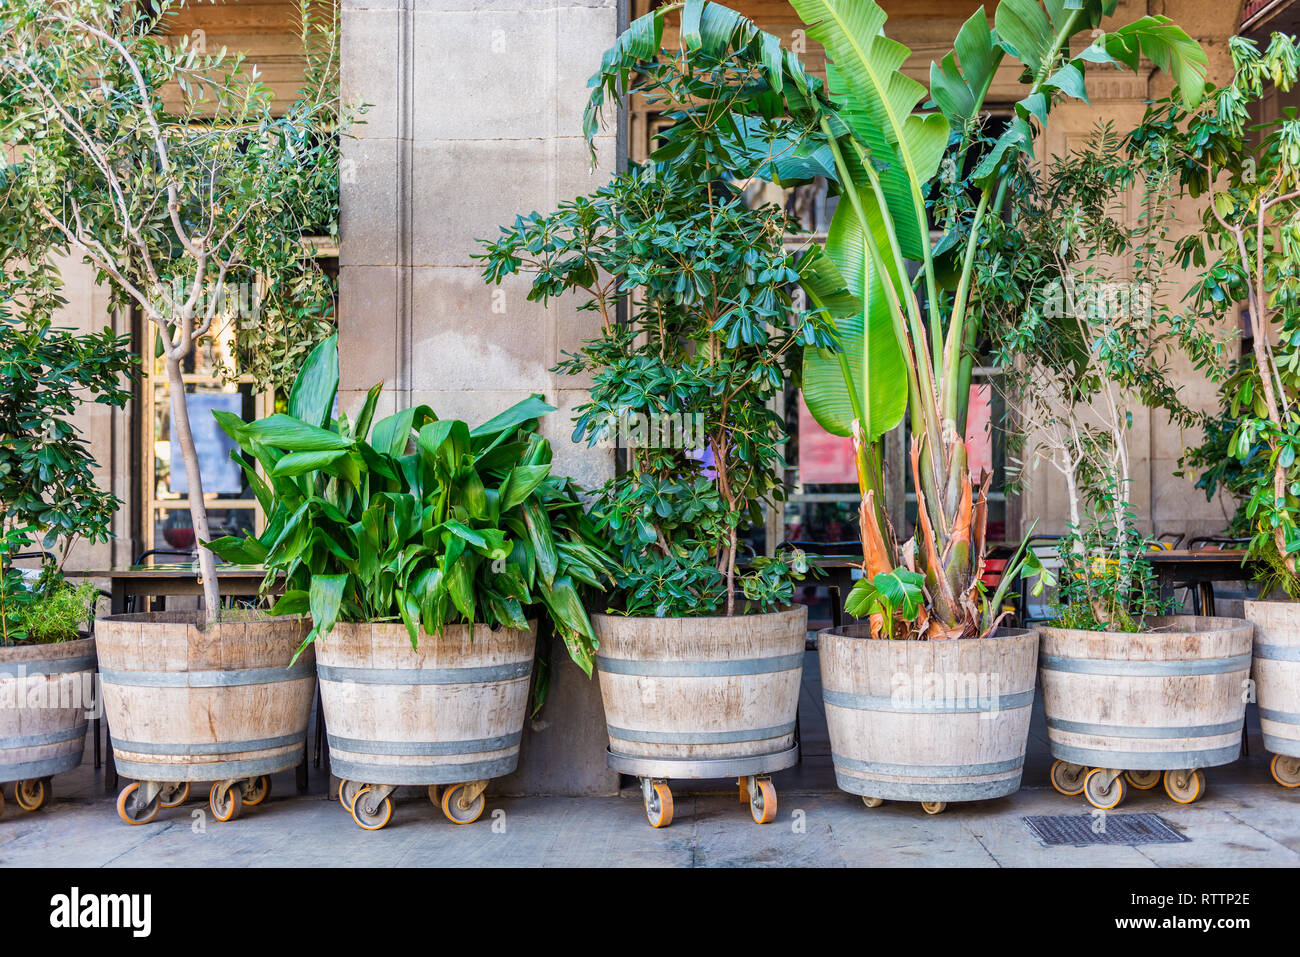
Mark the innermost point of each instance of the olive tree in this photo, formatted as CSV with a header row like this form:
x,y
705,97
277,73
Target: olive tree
x,y
169,170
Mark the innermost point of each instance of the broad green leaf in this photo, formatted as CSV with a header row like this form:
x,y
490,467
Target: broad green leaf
x,y
522,481
311,399
534,407
325,600
285,432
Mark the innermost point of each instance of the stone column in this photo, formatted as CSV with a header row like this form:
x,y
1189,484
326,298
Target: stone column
x,y
475,117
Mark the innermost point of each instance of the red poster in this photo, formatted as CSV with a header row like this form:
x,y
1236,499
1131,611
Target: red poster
x,y
823,458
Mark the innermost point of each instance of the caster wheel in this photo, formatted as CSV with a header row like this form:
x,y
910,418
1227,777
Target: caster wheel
x,y
872,802
256,790
30,794
2,801
129,811
934,807
348,793
1068,778
457,812
762,802
433,796
371,816
659,805
1142,780
1100,794
1285,771
744,790
1184,787
226,804
174,794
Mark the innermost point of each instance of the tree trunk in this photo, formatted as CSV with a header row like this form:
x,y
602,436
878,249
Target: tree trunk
x,y
198,510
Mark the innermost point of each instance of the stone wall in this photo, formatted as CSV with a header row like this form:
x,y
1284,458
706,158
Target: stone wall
x,y
476,117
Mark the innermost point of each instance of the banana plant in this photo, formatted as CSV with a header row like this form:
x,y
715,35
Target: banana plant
x,y
899,300
414,519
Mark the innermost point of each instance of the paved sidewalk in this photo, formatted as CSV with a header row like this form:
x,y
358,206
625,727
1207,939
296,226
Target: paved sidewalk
x,y
1245,820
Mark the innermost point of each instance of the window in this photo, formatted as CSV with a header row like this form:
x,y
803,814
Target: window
x,y
232,508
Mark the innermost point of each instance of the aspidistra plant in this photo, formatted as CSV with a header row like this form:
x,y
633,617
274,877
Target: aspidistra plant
x,y
414,519
898,299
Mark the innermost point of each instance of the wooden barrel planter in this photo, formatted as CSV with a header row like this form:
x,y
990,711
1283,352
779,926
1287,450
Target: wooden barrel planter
x,y
186,704
450,711
1276,670
46,696
1132,709
927,721
702,698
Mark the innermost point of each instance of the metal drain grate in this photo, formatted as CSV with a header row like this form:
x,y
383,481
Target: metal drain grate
x,y
1054,830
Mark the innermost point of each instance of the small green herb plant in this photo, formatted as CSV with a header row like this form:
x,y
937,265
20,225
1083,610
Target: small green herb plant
x,y
48,496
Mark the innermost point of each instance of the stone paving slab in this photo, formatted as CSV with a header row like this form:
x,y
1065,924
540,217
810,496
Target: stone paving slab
x,y
1238,824
1245,820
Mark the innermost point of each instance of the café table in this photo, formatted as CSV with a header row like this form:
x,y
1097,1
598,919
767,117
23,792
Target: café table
x,y
1198,569
172,579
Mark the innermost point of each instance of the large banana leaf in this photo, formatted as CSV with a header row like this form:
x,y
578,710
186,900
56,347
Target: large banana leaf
x,y
877,100
959,90
868,372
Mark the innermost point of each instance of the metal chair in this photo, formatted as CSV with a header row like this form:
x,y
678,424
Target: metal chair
x,y
178,553
1216,541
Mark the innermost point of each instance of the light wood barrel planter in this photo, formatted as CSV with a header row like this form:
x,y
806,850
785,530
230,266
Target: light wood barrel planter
x,y
702,698
1128,710
46,697
927,721
450,711
186,704
1276,671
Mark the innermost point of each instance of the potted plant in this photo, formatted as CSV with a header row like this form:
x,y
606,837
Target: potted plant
x,y
48,502
1248,172
906,340
700,648
174,207
420,546
1073,295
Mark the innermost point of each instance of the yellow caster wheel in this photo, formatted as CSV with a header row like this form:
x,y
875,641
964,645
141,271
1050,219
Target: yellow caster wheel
x,y
368,814
1184,787
1068,778
1142,780
30,794
174,794
132,812
762,802
226,803
348,793
459,812
433,795
744,790
934,807
1101,793
1285,771
255,790
872,802
659,804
